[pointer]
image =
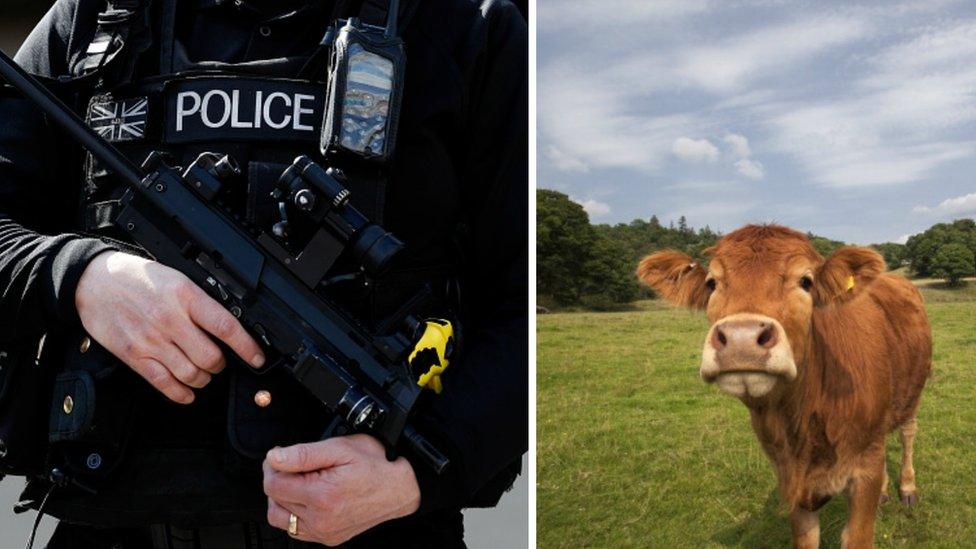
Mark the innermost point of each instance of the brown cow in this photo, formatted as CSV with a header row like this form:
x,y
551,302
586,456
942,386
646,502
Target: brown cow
x,y
828,355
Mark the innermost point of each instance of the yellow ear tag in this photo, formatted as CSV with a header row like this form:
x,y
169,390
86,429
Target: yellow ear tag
x,y
850,283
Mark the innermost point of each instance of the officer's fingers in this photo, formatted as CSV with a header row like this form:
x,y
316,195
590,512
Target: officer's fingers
x,y
181,367
162,379
288,487
312,456
209,315
200,349
279,516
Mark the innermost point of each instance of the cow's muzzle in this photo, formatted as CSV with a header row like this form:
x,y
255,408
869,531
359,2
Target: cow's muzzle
x,y
746,354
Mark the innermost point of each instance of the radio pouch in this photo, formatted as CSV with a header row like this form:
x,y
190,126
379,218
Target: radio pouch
x,y
366,73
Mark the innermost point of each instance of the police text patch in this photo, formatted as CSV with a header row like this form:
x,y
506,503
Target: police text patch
x,y
238,109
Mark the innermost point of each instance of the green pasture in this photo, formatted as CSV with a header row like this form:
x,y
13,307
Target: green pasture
x,y
635,451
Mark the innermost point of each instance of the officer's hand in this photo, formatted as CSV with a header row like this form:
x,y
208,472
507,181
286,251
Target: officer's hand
x,y
338,488
156,321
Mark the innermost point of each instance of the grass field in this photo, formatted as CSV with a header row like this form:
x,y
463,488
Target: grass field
x,y
634,450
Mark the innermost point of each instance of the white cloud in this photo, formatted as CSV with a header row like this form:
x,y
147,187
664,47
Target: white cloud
x,y
560,15
594,208
564,162
903,239
595,99
744,165
936,48
752,169
960,205
593,120
730,65
702,185
738,145
892,165
860,141
751,98
727,66
694,150
913,7
894,123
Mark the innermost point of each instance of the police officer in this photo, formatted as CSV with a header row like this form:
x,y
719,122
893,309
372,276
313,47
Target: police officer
x,y
123,397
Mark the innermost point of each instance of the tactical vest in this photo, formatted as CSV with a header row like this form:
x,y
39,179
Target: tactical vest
x,y
124,454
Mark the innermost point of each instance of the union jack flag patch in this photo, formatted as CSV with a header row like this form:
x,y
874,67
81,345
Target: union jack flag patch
x,y
122,120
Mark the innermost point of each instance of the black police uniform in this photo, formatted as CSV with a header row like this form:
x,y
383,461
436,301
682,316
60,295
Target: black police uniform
x,y
242,77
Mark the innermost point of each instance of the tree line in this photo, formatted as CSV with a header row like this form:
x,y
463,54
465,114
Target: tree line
x,y
944,250
580,264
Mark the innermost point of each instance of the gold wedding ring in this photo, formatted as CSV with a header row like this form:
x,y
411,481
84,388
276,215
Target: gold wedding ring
x,y
292,525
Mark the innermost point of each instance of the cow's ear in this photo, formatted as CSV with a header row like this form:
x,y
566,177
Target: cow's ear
x,y
676,277
845,273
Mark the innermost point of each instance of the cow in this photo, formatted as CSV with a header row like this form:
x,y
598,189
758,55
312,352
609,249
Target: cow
x,y
829,356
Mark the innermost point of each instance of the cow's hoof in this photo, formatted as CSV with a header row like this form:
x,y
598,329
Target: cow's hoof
x,y
909,499
883,499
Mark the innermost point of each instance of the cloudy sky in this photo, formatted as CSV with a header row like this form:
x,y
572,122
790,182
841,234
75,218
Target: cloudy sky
x,y
855,121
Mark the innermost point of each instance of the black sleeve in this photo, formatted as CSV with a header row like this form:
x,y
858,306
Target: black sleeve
x,y
38,273
481,418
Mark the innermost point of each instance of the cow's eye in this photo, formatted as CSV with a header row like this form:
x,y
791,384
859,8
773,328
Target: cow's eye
x,y
710,283
806,283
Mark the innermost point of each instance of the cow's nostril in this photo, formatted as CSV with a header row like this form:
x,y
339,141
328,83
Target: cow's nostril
x,y
720,338
766,337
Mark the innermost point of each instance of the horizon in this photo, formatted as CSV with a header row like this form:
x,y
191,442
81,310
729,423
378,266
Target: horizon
x,y
672,223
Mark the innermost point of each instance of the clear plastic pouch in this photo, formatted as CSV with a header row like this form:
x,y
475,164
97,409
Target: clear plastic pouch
x,y
365,91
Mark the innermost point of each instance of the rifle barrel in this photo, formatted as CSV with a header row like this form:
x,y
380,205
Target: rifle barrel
x,y
64,117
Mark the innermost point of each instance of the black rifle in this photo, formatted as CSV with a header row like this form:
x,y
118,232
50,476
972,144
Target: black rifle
x,y
363,377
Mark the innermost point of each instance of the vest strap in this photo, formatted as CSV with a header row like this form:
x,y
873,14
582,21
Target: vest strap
x,y
122,33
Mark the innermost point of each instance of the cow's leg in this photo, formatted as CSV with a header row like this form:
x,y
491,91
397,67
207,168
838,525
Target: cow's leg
x,y
863,494
906,487
884,485
806,529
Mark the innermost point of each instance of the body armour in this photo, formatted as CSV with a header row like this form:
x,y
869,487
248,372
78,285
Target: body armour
x,y
127,455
